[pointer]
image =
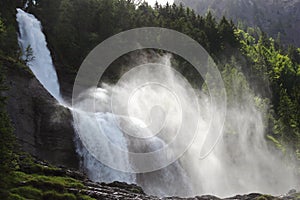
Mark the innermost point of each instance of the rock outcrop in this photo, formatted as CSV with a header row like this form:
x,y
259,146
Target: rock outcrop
x,y
117,191
43,127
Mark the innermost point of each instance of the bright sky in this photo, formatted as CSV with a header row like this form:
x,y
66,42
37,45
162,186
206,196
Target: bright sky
x,y
162,2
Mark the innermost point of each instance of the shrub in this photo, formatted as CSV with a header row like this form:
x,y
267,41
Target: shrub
x,y
15,197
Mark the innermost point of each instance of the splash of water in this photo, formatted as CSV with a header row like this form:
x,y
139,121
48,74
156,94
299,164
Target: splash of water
x,y
41,65
111,125
242,162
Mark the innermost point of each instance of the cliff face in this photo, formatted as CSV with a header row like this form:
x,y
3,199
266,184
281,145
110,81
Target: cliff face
x,y
271,16
42,127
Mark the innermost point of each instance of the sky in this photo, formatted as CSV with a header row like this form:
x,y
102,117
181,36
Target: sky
x,y
162,2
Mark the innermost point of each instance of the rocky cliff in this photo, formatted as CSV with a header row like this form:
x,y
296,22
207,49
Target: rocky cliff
x,y
43,127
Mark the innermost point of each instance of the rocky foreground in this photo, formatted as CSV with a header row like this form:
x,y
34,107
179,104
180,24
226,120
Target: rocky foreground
x,y
50,182
119,190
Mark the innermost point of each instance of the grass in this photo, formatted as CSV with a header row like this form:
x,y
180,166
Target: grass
x,y
15,197
54,181
27,192
38,182
36,186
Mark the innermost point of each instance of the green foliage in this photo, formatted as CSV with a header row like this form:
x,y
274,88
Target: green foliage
x,y
276,142
236,84
279,70
27,192
28,165
35,186
2,27
226,30
59,183
15,197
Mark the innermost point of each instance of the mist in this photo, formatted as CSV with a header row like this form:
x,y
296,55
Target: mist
x,y
148,119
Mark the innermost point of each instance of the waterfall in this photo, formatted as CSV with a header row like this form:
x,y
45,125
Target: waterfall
x,y
240,163
31,35
41,64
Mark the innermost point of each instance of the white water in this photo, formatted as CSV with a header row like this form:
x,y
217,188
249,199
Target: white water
x,y
241,162
156,183
42,66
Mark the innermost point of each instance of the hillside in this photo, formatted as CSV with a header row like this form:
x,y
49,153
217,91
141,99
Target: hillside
x,y
271,16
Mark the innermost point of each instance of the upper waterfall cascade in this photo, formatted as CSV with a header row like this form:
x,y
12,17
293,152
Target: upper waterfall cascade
x,y
31,37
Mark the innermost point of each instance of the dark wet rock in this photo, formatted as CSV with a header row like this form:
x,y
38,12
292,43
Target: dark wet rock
x,y
43,128
208,197
252,196
292,192
106,191
129,187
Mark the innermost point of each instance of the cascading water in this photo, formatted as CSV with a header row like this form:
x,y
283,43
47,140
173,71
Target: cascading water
x,y
156,183
240,163
41,65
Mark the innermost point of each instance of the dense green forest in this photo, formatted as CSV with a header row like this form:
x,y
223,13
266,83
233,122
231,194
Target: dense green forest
x,y
75,27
